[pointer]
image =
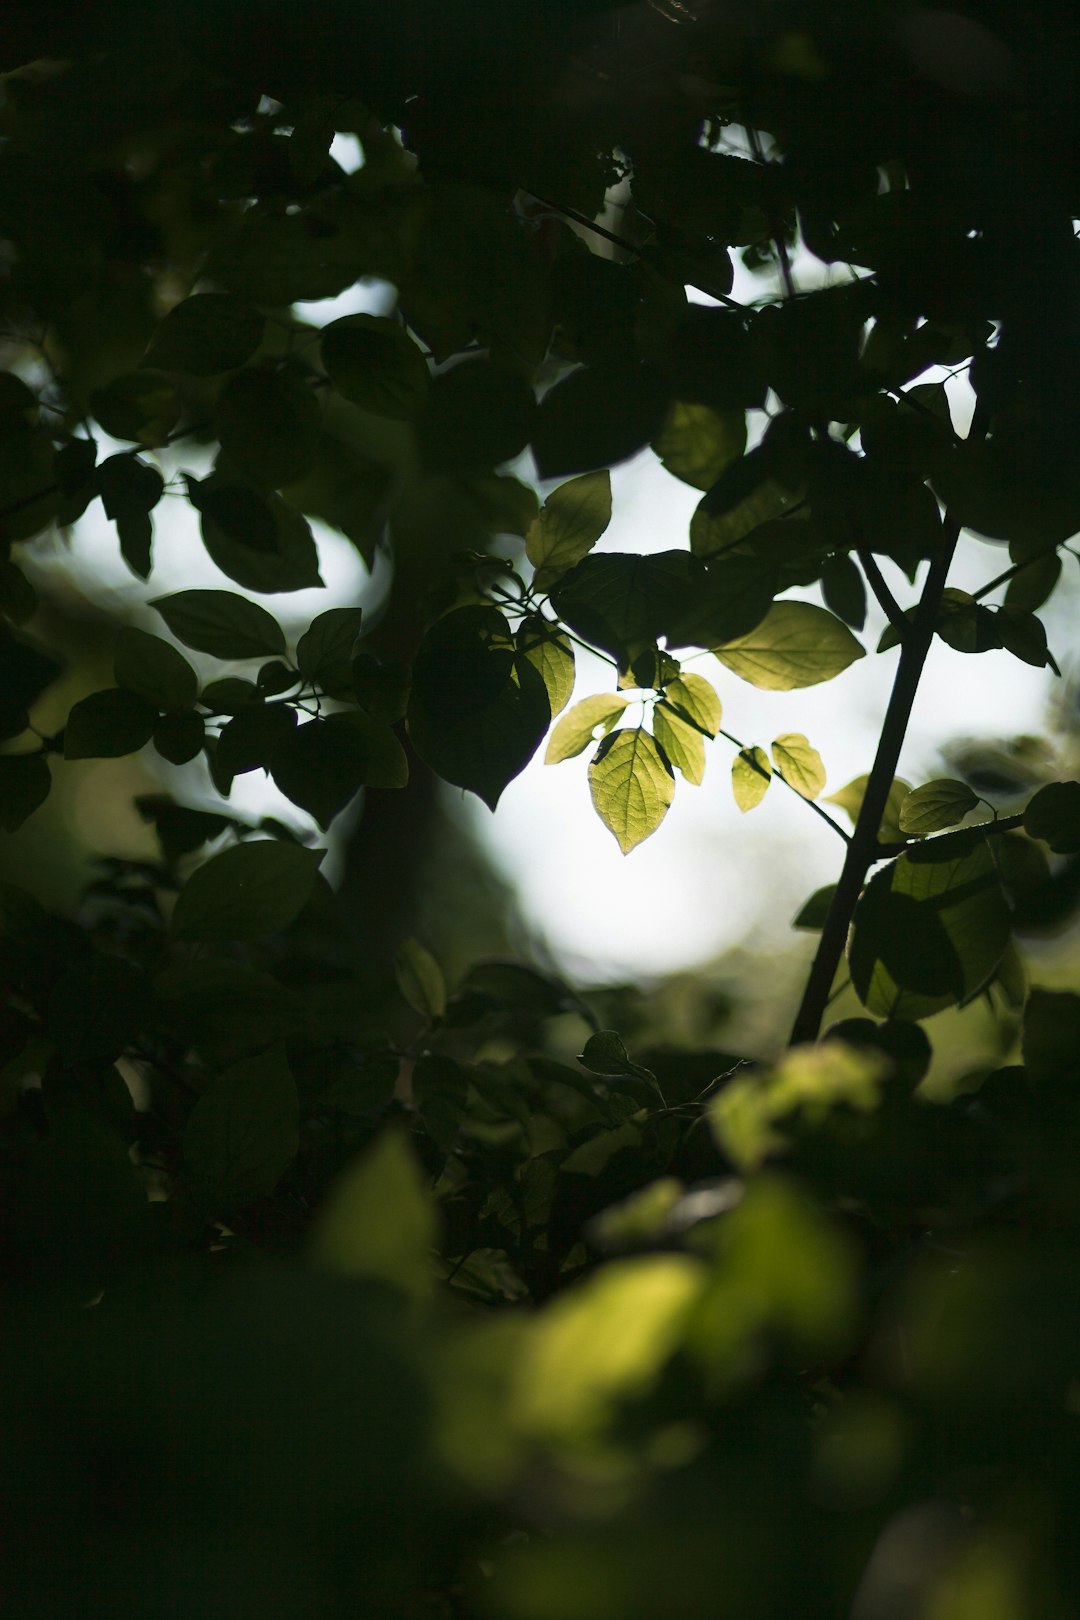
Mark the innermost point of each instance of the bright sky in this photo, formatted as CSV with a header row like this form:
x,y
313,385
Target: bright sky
x,y
710,876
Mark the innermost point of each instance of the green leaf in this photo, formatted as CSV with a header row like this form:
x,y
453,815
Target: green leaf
x,y
226,1010
751,774
246,892
624,603
321,765
324,652
129,492
682,743
379,1220
374,363
179,737
149,666
243,1132
696,700
477,708
24,787
569,524
850,799
289,562
206,334
844,590
230,696
795,645
713,533
1023,635
221,623
929,930
141,406
234,512
476,416
582,725
935,806
632,785
813,912
108,724
799,764
1054,816
420,980
269,423
696,443
550,652
597,416
1034,584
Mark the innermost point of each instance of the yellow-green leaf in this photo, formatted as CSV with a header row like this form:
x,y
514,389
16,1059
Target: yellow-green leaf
x,y
799,764
632,786
549,651
935,806
419,978
750,777
379,1220
592,717
710,534
850,799
569,524
696,699
682,743
796,644
696,443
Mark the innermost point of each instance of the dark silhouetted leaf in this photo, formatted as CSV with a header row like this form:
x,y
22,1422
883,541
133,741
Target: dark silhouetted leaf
x,y
597,416
141,406
221,623
108,724
206,334
375,363
243,1132
247,892
269,424
156,671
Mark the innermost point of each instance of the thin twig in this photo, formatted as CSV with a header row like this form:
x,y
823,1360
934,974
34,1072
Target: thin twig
x,y
1017,568
786,276
999,824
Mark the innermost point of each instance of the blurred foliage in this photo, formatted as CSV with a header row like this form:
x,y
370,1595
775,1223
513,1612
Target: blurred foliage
x,y
382,1275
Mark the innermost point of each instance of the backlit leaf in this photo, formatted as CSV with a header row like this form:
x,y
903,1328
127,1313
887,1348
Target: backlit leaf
x,y
550,652
141,406
246,892
569,524
581,725
795,645
623,603
631,785
813,912
324,651
799,764
374,363
243,1132
696,699
850,799
683,743
751,774
929,930
696,443
129,492
935,806
221,623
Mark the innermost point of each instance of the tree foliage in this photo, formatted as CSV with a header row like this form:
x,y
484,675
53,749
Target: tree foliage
x,y
410,1310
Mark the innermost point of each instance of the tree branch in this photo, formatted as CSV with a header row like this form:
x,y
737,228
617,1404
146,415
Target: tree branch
x,y
885,598
862,851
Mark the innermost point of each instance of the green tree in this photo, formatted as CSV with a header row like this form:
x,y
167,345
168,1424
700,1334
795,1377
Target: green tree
x,y
413,1308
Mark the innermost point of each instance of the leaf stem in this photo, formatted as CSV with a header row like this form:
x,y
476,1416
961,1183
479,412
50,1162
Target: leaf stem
x,y
862,852
1017,568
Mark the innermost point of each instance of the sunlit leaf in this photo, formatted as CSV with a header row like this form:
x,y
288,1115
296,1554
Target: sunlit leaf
x,y
751,774
799,764
935,806
696,443
795,645
697,701
569,524
550,652
683,743
632,786
581,725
